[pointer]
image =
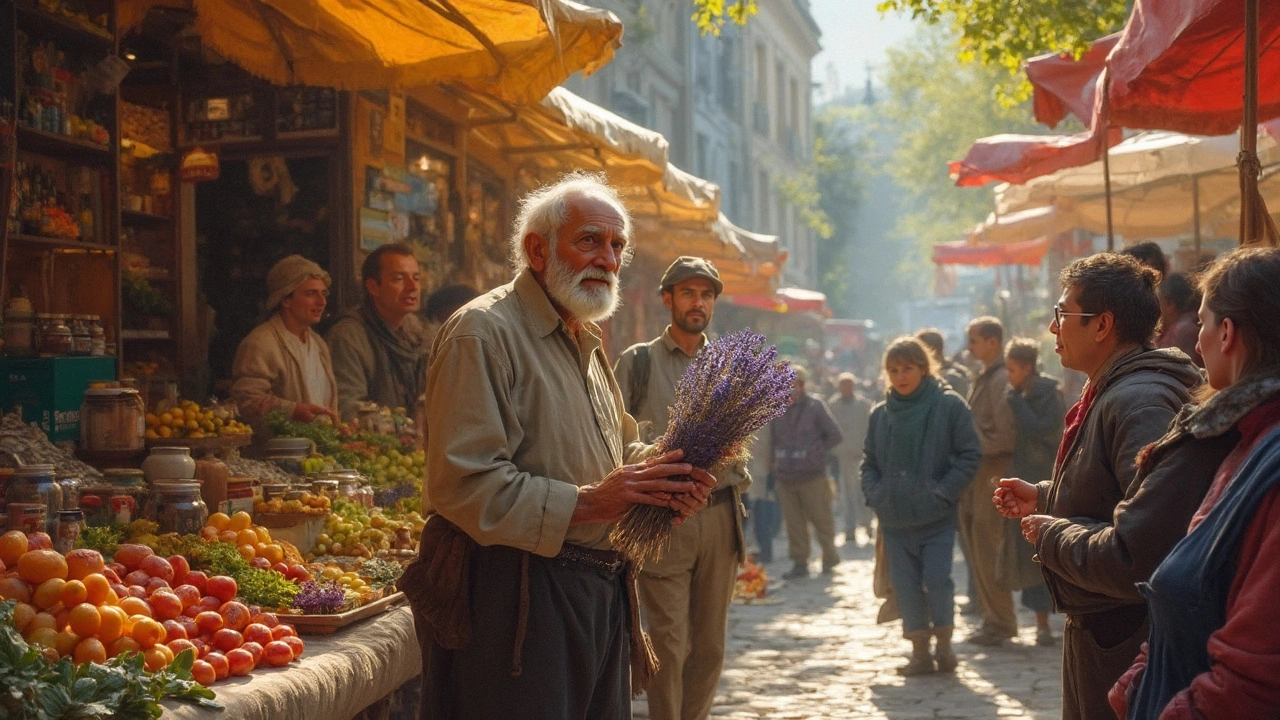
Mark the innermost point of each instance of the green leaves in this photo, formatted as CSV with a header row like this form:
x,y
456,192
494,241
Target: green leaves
x,y
33,688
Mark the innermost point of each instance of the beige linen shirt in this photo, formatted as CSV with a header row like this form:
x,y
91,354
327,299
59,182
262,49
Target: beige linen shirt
x,y
269,372
519,415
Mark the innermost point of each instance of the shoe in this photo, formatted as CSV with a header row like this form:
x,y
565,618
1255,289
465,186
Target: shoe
x,y
1045,637
798,571
986,638
944,655
829,569
918,666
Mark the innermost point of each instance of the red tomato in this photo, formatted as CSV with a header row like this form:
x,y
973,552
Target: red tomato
x,y
222,587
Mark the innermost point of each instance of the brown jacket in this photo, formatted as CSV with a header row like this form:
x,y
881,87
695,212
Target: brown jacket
x,y
267,374
1114,523
992,416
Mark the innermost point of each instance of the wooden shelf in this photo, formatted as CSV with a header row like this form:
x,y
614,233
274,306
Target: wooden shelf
x,y
127,334
64,147
64,243
63,29
144,217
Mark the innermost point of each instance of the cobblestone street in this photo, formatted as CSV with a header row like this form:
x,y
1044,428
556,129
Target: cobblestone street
x,y
818,653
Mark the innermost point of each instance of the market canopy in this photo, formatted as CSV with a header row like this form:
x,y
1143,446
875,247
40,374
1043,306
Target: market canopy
x,y
1019,226
1019,158
1063,85
749,263
784,300
1030,252
514,49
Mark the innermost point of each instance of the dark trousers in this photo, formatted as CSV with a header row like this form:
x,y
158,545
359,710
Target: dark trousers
x,y
1094,658
575,660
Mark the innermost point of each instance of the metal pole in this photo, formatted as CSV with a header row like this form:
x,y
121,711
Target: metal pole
x,y
1106,175
1248,160
1195,207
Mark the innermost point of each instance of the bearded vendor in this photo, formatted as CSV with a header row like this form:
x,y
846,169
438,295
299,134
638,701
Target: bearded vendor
x,y
283,364
379,349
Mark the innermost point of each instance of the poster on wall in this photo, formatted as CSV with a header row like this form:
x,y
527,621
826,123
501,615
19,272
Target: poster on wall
x,y
375,229
393,132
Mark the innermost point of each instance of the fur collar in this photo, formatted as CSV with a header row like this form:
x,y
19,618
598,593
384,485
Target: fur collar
x,y
1221,412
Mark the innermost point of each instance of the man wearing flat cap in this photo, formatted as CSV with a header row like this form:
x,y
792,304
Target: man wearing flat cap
x,y
283,365
686,594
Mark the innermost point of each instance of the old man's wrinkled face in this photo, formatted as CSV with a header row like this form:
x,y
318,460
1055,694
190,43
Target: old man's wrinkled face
x,y
582,268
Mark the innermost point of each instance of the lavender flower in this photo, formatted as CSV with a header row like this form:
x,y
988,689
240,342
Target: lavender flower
x,y
733,388
320,598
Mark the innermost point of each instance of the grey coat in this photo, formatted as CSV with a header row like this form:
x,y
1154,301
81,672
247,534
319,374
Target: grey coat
x,y
929,495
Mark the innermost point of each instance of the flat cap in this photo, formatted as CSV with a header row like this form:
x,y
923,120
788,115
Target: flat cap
x,y
687,267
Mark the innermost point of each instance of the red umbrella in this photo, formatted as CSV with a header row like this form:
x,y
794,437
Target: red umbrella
x,y
1029,253
1063,85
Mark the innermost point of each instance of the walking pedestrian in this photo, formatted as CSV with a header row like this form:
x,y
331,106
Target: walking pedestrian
x,y
920,455
955,374
852,414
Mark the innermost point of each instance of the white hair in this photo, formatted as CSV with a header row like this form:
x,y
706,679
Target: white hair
x,y
544,211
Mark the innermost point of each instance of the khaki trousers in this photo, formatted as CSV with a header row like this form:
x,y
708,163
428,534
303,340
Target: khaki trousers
x,y
686,597
806,503
1089,670
981,531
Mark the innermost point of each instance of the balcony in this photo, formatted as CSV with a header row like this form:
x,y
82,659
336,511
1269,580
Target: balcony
x,y
760,118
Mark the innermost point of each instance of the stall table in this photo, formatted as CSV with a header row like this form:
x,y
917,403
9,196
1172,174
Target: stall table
x,y
338,676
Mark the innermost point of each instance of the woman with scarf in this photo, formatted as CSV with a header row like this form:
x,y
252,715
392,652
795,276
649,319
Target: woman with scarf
x,y
920,454
379,350
1213,650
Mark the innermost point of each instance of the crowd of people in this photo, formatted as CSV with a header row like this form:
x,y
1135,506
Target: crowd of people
x,y
1146,512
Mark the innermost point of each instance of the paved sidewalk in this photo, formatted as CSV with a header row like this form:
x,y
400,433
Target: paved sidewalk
x,y
819,654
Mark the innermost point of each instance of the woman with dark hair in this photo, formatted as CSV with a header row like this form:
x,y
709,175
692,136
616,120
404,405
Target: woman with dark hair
x,y
920,454
1179,328
1213,650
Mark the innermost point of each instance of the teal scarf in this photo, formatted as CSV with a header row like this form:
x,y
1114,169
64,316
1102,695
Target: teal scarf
x,y
908,415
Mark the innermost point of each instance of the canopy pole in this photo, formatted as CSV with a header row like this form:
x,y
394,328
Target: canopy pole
x,y
1248,160
1106,176
1195,208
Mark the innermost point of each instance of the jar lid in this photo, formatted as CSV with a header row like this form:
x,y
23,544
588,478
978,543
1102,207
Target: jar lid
x,y
325,483
170,449
110,392
112,473
175,486
286,444
38,470
70,515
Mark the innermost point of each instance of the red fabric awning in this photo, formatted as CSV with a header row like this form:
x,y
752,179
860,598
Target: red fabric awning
x,y
1062,85
1019,158
784,300
1180,66
1030,253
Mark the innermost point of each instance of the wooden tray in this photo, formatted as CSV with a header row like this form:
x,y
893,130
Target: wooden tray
x,y
326,624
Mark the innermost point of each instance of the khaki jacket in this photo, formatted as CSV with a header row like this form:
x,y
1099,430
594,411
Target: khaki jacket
x,y
519,415
992,416
267,374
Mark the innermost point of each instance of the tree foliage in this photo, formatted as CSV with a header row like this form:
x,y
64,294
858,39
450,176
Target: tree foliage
x,y
1005,33
711,15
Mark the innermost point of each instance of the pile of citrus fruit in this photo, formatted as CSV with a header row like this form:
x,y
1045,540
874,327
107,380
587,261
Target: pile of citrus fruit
x,y
188,420
252,542
82,607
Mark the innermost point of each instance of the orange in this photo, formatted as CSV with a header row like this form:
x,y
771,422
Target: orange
x,y
219,521
66,642
247,537
90,650
84,619
247,552
73,593
12,588
12,545
43,620
44,637
97,588
273,553
157,657
36,566
240,521
264,534
228,536
48,593
135,606
122,645
111,623
147,632
23,614
82,562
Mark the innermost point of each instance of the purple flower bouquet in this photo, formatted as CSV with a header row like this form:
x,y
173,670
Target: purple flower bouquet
x,y
733,388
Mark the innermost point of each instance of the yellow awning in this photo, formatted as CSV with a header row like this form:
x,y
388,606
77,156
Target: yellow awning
x,y
516,50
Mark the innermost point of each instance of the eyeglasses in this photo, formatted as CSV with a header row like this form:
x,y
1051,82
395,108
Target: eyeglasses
x,y
1058,314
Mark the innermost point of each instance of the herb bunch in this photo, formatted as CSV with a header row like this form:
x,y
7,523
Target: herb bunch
x,y
733,387
320,598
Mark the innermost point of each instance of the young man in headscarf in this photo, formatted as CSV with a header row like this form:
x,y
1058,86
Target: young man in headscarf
x,y
283,365
379,353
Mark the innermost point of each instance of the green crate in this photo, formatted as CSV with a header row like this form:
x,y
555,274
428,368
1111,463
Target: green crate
x,y
51,390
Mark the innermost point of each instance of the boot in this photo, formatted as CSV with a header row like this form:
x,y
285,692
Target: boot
x,y
921,661
945,656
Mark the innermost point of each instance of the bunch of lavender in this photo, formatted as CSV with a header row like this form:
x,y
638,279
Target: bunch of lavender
x,y
320,598
733,388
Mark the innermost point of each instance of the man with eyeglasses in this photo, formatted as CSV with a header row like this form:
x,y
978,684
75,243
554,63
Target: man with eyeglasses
x,y
1097,532
283,365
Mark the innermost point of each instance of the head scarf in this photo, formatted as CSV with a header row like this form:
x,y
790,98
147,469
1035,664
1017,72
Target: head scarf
x,y
287,274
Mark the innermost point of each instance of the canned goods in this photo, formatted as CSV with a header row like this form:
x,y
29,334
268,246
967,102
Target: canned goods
x,y
70,525
27,517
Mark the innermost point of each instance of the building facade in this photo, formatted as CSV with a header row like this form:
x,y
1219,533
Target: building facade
x,y
736,109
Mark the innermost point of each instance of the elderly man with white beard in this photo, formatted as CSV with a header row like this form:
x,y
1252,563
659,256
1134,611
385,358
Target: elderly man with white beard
x,y
522,608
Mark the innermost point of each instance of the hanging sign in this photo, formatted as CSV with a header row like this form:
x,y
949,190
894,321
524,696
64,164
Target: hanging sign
x,y
198,165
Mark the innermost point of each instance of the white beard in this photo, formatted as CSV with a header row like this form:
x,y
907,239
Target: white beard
x,y
566,289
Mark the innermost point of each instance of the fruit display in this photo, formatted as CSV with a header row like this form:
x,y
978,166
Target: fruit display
x,y
362,532
81,607
307,504
343,586
387,460
187,419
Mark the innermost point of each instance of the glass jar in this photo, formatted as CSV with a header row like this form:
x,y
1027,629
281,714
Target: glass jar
x,y
36,484
19,326
274,491
112,420
27,517
70,491
81,345
97,337
118,498
326,487
169,463
43,320
70,525
179,508
55,337
288,453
